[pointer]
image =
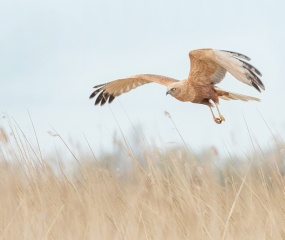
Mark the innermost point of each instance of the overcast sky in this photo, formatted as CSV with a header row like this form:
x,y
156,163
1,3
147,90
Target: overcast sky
x,y
53,52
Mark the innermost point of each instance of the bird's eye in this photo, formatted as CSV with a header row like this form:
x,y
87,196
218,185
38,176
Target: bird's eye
x,y
173,89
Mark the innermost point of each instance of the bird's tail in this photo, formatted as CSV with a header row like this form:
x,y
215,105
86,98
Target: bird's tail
x,y
234,96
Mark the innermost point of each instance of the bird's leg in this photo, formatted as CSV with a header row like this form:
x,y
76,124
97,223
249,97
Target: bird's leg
x,y
217,120
220,115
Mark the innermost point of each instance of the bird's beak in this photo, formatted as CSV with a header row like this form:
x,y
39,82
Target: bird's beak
x,y
168,92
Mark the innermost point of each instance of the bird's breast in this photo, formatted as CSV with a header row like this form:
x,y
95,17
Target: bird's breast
x,y
202,92
186,95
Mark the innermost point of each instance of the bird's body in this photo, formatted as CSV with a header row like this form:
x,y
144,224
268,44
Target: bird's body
x,y
208,68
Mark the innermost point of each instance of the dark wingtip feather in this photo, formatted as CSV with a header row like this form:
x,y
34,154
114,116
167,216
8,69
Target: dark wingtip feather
x,y
251,68
104,99
99,88
239,55
255,86
252,75
99,98
260,84
111,98
256,82
100,85
95,93
92,95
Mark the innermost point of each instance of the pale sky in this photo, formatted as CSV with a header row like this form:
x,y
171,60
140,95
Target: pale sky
x,y
53,52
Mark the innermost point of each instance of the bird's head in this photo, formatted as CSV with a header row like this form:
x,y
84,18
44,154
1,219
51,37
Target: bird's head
x,y
174,89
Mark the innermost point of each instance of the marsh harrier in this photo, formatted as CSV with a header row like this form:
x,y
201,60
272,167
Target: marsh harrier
x,y
208,68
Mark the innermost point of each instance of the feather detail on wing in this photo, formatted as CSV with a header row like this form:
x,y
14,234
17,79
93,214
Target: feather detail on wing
x,y
110,90
234,96
210,66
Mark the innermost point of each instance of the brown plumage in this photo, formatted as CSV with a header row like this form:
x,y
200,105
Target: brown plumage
x,y
208,68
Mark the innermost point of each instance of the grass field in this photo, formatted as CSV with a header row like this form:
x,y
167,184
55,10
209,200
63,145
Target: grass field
x,y
169,194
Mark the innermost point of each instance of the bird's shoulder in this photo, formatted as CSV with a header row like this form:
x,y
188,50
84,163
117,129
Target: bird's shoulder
x,y
202,54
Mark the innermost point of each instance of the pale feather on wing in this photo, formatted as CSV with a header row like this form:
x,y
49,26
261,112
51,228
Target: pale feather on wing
x,y
210,66
110,90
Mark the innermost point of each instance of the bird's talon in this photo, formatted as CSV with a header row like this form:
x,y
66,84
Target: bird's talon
x,y
217,120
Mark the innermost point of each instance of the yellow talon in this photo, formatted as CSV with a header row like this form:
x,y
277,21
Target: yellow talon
x,y
222,118
217,120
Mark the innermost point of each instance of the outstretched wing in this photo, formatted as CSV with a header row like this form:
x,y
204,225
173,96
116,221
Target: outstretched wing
x,y
108,91
209,66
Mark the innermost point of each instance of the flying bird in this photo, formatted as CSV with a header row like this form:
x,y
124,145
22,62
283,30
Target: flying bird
x,y
208,67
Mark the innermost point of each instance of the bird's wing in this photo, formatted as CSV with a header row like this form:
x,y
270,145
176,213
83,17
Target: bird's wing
x,y
108,91
209,66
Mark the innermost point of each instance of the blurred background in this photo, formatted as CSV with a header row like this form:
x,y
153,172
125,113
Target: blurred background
x,y
53,52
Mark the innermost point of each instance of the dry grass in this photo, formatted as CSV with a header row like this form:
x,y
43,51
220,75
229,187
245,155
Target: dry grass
x,y
167,195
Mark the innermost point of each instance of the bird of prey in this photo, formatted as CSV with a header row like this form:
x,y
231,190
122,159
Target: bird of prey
x,y
208,67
